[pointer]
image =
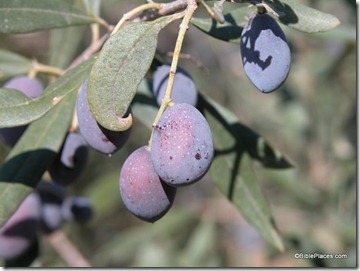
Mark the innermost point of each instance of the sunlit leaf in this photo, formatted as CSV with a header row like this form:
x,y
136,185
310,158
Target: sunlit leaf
x,y
122,64
23,16
303,18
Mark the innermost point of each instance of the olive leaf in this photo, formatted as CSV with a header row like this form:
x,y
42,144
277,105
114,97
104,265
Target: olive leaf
x,y
301,17
22,111
232,169
28,160
12,64
119,69
22,16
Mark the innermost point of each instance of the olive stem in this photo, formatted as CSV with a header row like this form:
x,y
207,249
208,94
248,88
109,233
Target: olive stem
x,y
102,22
67,250
37,67
166,101
127,16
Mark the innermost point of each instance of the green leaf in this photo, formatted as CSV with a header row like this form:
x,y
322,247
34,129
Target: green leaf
x,y
12,97
341,33
12,64
229,31
232,171
64,44
122,64
92,6
25,111
199,245
29,159
23,16
303,18
240,135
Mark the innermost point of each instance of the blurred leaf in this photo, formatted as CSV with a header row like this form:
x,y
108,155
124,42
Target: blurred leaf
x,y
92,6
229,31
103,187
22,16
12,64
122,64
233,173
341,33
29,159
200,243
303,18
64,44
25,111
125,244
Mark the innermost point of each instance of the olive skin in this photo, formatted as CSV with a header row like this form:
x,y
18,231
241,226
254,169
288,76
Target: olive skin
x,y
182,147
265,53
144,194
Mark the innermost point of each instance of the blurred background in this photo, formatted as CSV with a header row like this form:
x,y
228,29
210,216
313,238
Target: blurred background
x,y
311,119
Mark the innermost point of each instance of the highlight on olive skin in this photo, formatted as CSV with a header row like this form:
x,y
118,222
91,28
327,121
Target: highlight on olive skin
x,y
182,146
184,89
98,137
143,193
265,53
32,88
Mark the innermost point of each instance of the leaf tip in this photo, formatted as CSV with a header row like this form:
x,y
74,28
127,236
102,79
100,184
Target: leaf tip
x,y
125,123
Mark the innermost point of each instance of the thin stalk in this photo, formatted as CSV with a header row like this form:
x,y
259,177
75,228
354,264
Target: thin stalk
x,y
127,16
192,6
37,67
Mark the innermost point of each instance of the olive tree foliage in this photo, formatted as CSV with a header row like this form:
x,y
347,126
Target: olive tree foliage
x,y
116,66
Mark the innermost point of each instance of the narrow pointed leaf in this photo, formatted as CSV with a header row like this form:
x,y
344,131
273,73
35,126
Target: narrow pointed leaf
x,y
232,171
117,73
11,97
26,111
22,16
28,160
303,18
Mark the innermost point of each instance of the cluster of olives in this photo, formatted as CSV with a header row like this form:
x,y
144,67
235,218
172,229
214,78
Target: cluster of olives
x,y
180,152
265,53
42,212
181,148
